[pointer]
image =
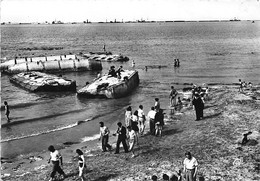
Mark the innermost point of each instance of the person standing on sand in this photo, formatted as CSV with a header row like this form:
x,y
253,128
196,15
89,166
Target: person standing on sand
x,y
132,140
81,163
198,105
141,119
121,132
159,122
190,167
240,86
173,96
135,125
104,136
7,111
56,159
128,116
151,118
157,104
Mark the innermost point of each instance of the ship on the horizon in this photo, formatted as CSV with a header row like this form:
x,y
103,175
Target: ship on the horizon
x,y
235,19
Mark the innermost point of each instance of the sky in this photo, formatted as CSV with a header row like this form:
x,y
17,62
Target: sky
x,y
25,11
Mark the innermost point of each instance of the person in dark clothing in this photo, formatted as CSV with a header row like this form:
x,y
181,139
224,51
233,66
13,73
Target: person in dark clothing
x,y
198,105
112,71
159,122
121,132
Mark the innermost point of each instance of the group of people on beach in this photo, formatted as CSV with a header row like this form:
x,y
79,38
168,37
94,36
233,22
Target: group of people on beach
x,y
243,85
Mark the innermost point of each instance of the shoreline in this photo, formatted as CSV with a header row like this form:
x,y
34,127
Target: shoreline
x,y
213,141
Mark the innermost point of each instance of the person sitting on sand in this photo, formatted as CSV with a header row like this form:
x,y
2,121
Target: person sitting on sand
x,y
56,159
154,178
7,111
81,162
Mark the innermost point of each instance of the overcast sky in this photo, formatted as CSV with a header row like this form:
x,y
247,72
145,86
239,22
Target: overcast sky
x,y
128,10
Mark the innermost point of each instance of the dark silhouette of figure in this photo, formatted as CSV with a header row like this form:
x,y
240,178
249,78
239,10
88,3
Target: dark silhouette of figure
x,y
198,106
121,132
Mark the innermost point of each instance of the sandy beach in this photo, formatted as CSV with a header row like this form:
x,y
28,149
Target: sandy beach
x,y
214,141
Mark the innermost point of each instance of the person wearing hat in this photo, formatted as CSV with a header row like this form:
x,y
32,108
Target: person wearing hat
x,y
190,167
198,105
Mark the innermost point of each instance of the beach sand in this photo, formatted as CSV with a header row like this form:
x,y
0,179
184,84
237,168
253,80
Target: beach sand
x,y
214,141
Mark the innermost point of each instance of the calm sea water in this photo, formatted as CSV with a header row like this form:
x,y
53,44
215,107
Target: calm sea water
x,y
212,52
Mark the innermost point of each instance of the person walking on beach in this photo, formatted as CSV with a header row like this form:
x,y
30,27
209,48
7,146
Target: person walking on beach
x,y
81,162
121,132
190,167
132,140
56,159
198,105
135,125
128,116
159,122
104,136
141,119
157,104
151,118
173,95
7,111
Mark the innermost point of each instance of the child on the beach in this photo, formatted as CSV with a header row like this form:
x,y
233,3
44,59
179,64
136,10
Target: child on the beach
x,y
7,111
81,163
132,140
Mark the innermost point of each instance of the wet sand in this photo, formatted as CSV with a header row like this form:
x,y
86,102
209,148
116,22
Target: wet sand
x,y
215,141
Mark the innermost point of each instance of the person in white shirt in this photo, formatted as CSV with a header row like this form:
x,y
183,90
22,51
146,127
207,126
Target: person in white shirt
x,y
104,136
132,140
56,159
128,116
151,118
190,167
81,162
141,119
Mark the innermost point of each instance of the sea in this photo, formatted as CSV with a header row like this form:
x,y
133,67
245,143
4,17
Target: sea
x,y
209,52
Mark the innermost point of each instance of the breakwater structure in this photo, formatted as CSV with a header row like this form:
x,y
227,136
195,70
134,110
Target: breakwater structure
x,y
38,81
106,57
111,87
61,63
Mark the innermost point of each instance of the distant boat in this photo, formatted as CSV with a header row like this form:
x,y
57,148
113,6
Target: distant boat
x,y
235,19
253,21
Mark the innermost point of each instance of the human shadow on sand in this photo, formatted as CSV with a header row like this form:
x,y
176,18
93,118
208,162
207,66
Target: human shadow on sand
x,y
171,131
